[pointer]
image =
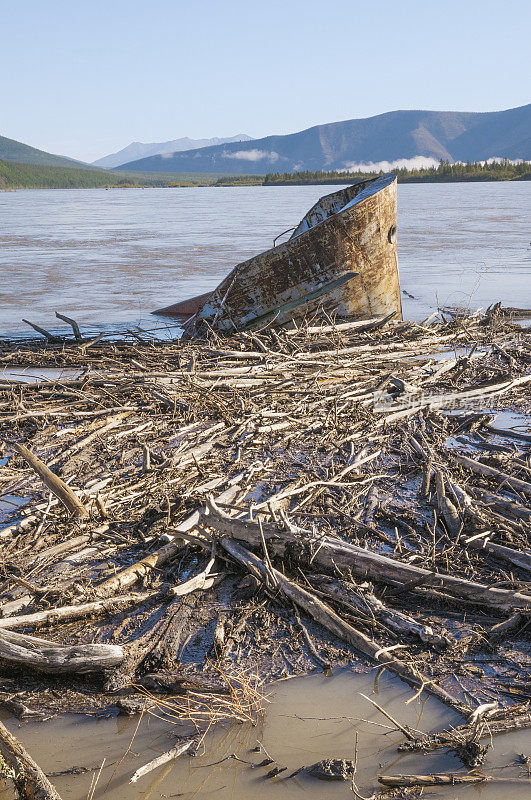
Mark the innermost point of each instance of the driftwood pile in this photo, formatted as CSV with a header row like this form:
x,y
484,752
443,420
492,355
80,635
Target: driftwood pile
x,y
268,503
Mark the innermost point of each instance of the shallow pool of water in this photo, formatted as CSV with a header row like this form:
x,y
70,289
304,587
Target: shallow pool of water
x,y
511,421
307,720
9,502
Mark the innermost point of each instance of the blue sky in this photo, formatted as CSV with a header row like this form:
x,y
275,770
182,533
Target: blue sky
x,y
84,79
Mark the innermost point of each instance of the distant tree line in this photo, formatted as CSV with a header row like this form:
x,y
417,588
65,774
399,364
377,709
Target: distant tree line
x,y
445,172
16,175
22,175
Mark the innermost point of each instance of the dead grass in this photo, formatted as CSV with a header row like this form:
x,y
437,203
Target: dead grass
x,y
244,701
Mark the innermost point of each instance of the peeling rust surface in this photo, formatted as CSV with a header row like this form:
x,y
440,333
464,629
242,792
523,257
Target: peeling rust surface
x,y
342,257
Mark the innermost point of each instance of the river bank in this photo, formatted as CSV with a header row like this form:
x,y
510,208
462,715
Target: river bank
x,y
243,510
14,175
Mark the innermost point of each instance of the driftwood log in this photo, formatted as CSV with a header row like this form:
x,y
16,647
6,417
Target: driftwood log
x,y
365,601
327,617
45,656
54,616
334,554
450,779
491,472
30,781
499,721
58,487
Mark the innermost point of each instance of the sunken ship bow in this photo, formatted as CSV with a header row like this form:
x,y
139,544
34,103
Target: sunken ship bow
x,y
341,259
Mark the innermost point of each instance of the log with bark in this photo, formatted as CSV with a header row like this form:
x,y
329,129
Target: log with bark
x,y
503,720
441,779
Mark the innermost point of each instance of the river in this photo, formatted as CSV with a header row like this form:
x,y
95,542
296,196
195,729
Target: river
x,y
110,257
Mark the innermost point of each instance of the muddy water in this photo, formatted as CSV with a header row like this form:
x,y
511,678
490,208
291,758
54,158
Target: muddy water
x,y
308,719
110,257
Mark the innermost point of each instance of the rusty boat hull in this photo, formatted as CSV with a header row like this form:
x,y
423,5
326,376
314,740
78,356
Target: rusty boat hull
x,y
341,258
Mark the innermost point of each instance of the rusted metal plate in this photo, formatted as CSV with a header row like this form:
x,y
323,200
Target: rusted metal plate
x,y
185,308
342,257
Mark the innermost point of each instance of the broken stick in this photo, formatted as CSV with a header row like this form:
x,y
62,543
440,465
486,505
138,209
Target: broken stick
x,y
175,752
58,487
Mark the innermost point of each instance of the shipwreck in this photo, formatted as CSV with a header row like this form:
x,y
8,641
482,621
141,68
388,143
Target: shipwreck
x,y
341,259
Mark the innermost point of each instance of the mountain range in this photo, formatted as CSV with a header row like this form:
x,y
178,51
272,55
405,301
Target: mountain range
x,y
137,150
449,135
385,140
11,150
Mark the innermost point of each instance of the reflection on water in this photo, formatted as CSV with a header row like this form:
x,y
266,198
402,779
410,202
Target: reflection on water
x,y
511,421
112,256
309,719
9,502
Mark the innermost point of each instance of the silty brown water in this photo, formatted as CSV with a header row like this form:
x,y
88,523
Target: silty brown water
x,y
307,720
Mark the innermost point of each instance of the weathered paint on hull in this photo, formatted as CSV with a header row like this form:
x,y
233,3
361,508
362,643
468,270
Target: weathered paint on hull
x,y
342,258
